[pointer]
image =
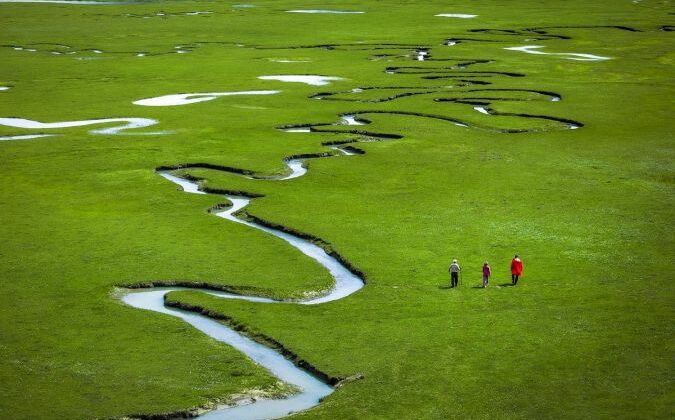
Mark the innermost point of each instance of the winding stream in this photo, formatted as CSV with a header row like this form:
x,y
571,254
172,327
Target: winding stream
x,y
534,49
129,123
192,98
312,389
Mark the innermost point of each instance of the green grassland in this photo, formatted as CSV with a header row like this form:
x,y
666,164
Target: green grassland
x,y
588,333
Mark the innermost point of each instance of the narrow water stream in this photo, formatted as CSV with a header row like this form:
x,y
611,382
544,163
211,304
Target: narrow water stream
x,y
312,389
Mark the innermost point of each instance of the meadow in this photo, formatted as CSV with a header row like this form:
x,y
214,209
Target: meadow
x,y
569,164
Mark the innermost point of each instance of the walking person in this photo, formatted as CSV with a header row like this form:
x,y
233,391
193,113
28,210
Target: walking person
x,y
486,274
516,269
454,273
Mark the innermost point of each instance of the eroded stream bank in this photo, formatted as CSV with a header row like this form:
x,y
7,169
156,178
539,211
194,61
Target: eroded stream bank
x,y
313,385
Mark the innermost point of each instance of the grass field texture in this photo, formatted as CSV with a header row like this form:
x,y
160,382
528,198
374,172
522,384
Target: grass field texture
x,y
588,331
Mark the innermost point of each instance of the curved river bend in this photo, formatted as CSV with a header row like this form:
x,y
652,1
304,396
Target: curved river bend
x,y
312,389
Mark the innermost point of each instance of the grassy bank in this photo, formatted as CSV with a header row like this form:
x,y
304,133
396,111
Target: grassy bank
x,y
587,333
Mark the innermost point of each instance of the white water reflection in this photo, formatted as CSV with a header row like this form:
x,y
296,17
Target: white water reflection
x,y
191,98
350,120
534,49
342,150
314,80
289,61
25,137
456,15
297,130
129,123
320,11
297,168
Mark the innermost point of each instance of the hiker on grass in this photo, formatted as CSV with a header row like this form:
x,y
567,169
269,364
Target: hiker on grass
x,y
454,273
486,273
516,269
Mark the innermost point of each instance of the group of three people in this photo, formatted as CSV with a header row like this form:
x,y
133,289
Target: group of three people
x,y
516,272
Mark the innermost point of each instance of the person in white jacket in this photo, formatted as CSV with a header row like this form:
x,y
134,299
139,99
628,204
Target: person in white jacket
x,y
454,273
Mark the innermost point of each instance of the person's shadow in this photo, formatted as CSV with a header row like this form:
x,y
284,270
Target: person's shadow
x,y
447,286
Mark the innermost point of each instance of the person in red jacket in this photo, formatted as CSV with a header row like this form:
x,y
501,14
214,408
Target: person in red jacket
x,y
516,269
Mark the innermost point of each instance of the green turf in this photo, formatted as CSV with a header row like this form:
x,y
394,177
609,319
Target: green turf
x,y
587,334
